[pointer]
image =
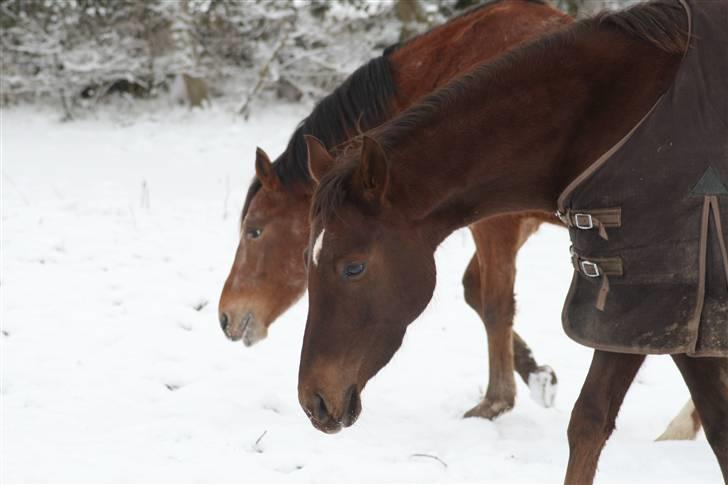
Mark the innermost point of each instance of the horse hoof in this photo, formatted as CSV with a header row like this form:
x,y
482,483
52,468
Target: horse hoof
x,y
543,384
489,409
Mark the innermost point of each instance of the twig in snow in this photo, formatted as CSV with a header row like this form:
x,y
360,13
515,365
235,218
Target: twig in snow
x,y
256,446
425,455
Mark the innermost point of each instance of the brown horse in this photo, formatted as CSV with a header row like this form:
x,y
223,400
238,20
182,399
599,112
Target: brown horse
x,y
268,274
506,138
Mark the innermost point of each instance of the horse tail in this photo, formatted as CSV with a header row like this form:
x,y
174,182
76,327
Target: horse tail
x,y
684,426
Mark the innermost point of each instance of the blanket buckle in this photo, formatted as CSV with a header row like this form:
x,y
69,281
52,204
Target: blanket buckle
x,y
590,269
583,221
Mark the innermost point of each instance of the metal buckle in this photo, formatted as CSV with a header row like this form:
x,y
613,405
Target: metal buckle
x,y
562,217
579,221
590,269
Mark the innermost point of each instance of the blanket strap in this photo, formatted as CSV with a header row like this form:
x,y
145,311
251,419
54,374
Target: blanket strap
x,y
598,268
599,219
714,204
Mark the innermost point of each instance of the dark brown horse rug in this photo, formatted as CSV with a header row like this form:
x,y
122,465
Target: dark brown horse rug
x,y
648,219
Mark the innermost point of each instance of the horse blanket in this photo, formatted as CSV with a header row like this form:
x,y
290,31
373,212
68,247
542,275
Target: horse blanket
x,y
649,219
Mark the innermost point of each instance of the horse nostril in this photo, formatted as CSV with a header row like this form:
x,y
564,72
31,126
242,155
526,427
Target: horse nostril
x,y
223,321
319,408
353,406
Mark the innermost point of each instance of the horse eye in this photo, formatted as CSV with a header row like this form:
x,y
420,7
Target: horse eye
x,y
353,270
253,233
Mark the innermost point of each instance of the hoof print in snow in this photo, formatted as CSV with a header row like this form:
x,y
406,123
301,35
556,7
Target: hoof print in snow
x,y
289,468
172,387
488,409
200,305
543,385
271,407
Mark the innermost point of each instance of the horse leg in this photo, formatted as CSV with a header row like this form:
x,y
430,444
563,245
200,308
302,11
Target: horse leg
x,y
707,379
501,392
595,411
488,283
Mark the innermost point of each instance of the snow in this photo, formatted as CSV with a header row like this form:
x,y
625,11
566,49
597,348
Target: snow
x,y
116,239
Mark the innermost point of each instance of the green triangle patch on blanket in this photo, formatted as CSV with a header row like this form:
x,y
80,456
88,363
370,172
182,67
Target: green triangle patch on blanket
x,y
709,184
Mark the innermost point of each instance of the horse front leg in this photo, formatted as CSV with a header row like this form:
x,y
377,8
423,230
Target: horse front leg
x,y
595,411
488,283
707,380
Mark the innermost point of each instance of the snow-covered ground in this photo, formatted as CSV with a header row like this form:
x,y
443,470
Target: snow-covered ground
x,y
116,239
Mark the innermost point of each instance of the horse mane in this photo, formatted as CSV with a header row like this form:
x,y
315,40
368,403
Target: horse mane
x,y
663,23
361,102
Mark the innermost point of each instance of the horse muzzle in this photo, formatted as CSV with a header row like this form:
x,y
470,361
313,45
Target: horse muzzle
x,y
326,416
243,326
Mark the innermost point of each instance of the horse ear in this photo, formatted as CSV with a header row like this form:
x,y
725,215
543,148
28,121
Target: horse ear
x,y
320,160
372,176
265,172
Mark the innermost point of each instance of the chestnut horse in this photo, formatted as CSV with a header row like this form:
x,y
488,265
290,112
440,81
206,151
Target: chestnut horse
x,y
514,133
268,274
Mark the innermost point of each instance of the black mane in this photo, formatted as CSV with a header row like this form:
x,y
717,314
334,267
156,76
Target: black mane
x,y
361,102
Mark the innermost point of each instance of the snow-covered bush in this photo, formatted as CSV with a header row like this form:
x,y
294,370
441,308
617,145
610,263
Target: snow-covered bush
x,y
78,51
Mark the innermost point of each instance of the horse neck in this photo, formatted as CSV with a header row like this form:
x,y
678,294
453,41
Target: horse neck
x,y
511,140
429,61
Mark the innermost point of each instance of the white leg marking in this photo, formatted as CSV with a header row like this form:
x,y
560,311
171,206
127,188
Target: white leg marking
x,y
542,386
